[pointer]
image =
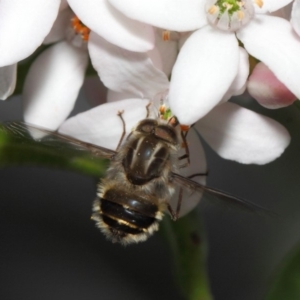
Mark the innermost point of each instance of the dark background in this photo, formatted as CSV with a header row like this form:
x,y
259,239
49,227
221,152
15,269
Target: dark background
x,y
50,249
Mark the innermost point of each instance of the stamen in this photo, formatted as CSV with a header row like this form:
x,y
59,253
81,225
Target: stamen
x,y
166,34
259,3
230,15
80,28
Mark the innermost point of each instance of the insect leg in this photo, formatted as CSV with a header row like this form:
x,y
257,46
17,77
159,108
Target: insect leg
x,y
148,110
185,145
197,174
175,214
124,129
171,211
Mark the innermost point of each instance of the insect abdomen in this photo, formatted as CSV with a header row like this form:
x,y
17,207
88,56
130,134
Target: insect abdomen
x,y
124,217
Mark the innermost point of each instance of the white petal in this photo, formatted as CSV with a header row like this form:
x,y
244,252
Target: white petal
x,y
23,26
125,71
239,84
102,126
179,15
272,41
116,28
295,18
205,68
8,78
272,5
60,26
239,134
52,85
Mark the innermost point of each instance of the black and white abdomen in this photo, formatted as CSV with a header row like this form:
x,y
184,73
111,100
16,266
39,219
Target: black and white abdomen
x,y
125,217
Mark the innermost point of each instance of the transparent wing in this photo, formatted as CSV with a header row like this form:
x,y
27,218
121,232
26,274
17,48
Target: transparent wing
x,y
217,196
28,132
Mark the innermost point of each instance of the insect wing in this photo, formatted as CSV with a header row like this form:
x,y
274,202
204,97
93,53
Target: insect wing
x,y
217,196
28,133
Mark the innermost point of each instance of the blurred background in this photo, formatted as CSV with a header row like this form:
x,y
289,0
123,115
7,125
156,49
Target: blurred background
x,y
50,249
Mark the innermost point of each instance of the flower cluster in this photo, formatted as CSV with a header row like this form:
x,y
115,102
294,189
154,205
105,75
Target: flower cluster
x,y
193,54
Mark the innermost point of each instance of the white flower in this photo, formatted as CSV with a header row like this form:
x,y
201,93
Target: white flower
x,y
25,25
209,60
56,75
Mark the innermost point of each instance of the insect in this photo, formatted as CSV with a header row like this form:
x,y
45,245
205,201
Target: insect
x,y
140,181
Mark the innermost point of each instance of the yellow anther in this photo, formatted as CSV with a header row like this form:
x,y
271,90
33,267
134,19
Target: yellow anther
x,y
213,9
166,34
259,3
240,15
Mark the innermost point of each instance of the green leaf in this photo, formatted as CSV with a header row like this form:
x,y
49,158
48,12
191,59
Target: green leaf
x,y
286,285
23,150
188,245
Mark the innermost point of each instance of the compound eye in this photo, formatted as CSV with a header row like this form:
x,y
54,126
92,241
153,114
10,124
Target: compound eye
x,y
146,126
166,133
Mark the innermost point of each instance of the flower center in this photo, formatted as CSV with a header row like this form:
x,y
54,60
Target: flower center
x,y
230,15
78,34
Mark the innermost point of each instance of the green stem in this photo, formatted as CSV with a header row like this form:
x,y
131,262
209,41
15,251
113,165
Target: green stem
x,y
186,240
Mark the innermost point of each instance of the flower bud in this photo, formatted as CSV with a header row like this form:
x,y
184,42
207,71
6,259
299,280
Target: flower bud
x,y
269,92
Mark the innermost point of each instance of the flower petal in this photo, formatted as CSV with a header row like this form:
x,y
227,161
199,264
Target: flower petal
x,y
295,17
180,15
271,5
239,134
102,126
126,71
205,68
24,25
60,26
269,92
8,78
239,84
272,41
116,28
52,85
